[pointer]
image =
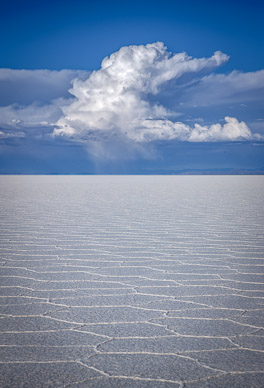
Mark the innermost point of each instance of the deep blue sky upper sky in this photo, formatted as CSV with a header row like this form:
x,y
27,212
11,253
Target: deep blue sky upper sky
x,y
134,115
78,34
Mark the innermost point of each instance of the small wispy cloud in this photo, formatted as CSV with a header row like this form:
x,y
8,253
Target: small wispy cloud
x,y
223,89
25,87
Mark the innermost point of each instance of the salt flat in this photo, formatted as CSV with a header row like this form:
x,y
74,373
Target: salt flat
x,y
132,281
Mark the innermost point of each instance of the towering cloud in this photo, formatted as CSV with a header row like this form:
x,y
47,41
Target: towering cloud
x,y
140,94
121,99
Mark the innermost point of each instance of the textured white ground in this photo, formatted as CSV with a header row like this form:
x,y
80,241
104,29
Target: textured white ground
x,y
131,281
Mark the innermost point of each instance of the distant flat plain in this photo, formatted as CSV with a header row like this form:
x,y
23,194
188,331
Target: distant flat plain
x,y
131,281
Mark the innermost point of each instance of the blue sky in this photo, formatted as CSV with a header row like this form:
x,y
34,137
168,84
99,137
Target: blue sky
x,y
149,108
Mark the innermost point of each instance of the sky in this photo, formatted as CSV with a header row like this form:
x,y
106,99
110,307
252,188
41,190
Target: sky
x,y
131,87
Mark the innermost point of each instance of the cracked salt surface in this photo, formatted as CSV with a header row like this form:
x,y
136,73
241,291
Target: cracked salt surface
x,y
115,281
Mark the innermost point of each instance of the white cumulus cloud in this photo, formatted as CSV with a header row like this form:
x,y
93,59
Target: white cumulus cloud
x,y
116,99
167,130
141,94
231,130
